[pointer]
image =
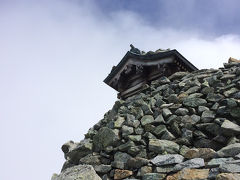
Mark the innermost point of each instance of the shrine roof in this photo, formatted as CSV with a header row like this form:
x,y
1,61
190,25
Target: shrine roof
x,y
135,53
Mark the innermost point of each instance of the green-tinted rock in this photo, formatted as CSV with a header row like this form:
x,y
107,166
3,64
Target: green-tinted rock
x,y
147,119
126,130
212,97
230,150
135,138
160,146
126,146
230,92
105,137
194,102
80,172
235,112
153,176
159,130
119,122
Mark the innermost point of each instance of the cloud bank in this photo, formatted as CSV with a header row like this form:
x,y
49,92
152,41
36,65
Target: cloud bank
x,y
54,56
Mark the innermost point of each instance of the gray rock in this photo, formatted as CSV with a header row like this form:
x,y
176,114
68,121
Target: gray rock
x,y
80,172
207,116
195,119
139,131
167,159
137,112
69,146
181,111
105,137
211,128
166,112
102,168
187,134
149,135
202,108
172,98
212,97
126,130
82,149
192,163
233,140
229,128
230,92
90,160
118,123
118,164
67,164
146,109
218,161
153,176
193,89
195,95
229,102
165,169
235,112
177,75
207,90
122,157
194,102
134,150
159,130
137,162
230,150
131,121
213,173
230,168
199,134
160,146
168,136
126,146
144,170
147,119
135,138
159,119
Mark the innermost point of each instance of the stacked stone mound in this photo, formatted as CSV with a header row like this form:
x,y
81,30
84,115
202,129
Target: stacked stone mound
x,y
185,126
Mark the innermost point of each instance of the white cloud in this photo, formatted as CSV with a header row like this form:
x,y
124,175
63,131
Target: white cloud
x,y
53,58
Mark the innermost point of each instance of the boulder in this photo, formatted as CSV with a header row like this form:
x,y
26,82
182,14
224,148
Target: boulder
x,y
190,174
153,176
205,153
192,163
194,102
160,146
147,119
229,168
167,159
80,172
121,174
105,137
229,151
228,176
229,128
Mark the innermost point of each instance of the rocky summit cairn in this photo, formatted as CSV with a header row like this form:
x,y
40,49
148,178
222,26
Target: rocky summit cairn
x,y
185,126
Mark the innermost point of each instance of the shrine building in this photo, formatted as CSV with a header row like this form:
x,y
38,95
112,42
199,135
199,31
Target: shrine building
x,y
138,68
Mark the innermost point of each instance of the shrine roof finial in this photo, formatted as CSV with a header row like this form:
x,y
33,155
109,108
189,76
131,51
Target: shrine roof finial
x,y
135,50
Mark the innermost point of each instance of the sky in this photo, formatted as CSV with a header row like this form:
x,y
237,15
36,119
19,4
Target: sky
x,y
55,54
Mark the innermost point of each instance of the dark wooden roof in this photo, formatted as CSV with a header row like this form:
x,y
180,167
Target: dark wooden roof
x,y
147,59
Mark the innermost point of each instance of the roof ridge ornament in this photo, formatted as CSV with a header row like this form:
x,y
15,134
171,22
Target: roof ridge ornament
x,y
135,50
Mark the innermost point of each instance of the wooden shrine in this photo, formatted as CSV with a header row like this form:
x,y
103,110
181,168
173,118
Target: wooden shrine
x,y
138,68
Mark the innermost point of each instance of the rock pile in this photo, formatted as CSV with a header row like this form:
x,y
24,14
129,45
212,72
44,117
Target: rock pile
x,y
185,126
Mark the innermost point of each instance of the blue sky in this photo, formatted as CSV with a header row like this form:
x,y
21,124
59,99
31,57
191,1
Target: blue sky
x,y
55,54
216,17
